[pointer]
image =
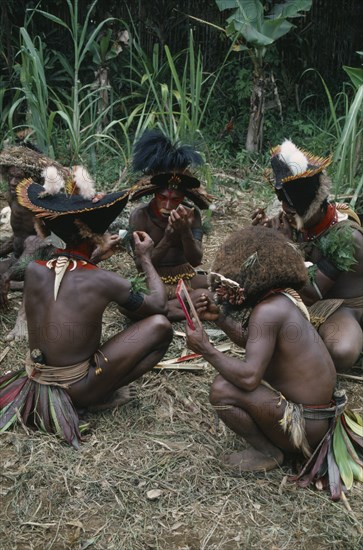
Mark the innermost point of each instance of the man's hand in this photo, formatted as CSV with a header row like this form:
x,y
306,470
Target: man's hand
x,y
143,243
259,218
283,223
181,219
107,248
98,196
207,310
197,340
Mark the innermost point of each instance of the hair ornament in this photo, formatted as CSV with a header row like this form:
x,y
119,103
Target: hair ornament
x,y
251,260
226,290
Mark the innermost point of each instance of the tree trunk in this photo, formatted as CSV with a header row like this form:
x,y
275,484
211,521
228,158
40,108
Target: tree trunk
x,y
257,110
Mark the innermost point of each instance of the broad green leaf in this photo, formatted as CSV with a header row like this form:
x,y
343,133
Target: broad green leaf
x,y
226,4
275,28
341,456
355,74
249,33
250,11
351,420
290,8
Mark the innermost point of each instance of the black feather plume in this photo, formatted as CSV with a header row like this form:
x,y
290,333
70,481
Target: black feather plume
x,y
155,153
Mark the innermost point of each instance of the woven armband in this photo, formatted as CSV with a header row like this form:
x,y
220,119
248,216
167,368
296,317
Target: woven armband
x,y
328,269
197,234
134,301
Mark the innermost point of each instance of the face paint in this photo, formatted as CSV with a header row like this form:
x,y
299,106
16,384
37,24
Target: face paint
x,y
167,200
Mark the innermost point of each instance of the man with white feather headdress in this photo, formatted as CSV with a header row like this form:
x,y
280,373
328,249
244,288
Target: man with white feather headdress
x,y
67,367
16,163
331,236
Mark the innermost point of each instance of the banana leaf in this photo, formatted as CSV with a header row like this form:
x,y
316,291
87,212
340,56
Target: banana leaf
x,y
8,415
335,483
338,458
341,456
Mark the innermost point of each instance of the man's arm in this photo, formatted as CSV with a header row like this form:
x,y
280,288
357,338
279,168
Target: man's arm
x,y
148,304
263,328
109,246
328,270
187,223
208,310
316,290
139,222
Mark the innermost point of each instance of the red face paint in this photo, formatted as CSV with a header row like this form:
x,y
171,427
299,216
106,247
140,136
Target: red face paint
x,y
167,200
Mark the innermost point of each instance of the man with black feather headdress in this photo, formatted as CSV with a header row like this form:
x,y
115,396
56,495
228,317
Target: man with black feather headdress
x,y
173,223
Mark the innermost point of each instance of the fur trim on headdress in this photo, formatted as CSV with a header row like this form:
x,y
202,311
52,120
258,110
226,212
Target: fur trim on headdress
x,y
298,178
53,180
85,185
260,259
293,157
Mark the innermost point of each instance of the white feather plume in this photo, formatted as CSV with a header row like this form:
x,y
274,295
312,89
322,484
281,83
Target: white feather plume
x,y
293,157
84,182
53,181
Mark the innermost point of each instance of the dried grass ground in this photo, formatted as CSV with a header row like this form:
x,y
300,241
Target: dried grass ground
x,y
53,497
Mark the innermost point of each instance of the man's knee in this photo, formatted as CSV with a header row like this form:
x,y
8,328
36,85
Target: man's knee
x,y
162,327
219,390
344,354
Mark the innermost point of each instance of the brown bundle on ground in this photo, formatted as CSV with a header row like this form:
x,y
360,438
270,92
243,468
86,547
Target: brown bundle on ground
x,y
260,259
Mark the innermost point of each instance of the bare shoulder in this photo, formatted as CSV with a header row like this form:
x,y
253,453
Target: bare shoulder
x,y
273,308
34,269
139,216
112,280
100,281
274,313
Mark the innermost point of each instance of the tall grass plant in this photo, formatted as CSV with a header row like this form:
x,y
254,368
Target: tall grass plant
x,y
71,105
345,126
175,95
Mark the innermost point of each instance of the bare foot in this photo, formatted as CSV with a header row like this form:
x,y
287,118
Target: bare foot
x,y
19,332
252,460
117,399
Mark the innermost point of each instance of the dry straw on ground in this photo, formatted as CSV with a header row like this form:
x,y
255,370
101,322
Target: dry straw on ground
x,y
148,475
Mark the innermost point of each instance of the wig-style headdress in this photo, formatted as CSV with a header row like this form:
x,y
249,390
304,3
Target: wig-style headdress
x,y
33,164
259,259
167,166
298,178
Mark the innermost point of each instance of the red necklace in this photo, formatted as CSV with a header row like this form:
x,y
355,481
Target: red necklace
x,y
83,251
330,219
80,252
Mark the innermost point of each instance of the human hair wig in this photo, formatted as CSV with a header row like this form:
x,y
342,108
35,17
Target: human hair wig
x,y
260,259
